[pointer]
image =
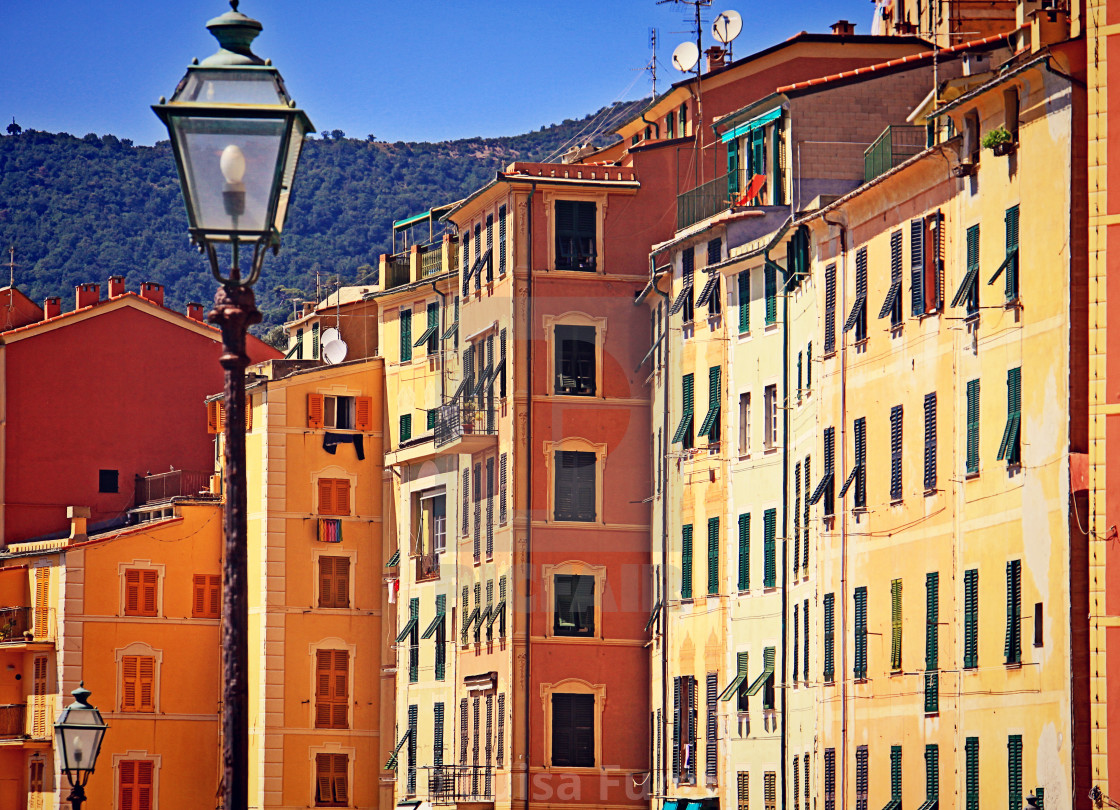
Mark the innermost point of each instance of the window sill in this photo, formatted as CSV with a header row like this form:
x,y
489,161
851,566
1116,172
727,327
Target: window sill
x,y
1013,665
929,491
770,327
971,475
769,451
896,330
861,343
744,335
896,501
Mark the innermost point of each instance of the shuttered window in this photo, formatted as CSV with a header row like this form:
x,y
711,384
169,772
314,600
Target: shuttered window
x,y
896,775
796,640
896,625
830,779
770,790
972,444
796,792
676,748
742,789
859,664
710,426
441,637
805,516
575,235
500,744
825,490
141,592
743,280
575,486
931,676
314,341
829,637
137,784
683,435
410,778
464,734
334,496
770,280
334,582
744,552
573,730
713,556
206,602
476,488
830,309
896,453
332,675
575,360
503,489
574,605
1009,444
406,427
501,240
892,304
138,683
971,607
331,780
857,317
1012,645
1009,269
917,267
769,529
972,773
490,508
437,735
711,746
1014,771
797,518
489,737
414,640
406,335
686,562
968,294
466,522
861,777
929,466
732,165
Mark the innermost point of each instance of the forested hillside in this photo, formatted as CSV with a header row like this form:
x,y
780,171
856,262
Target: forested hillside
x,y
83,209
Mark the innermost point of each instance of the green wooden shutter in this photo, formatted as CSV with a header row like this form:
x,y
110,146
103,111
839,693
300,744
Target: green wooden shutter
x,y
829,636
896,773
972,450
686,562
1012,649
1014,771
406,335
859,429
744,282
931,773
770,275
406,427
769,525
314,341
676,728
917,267
776,152
805,650
796,647
830,309
1009,444
972,302
896,453
732,169
805,513
932,684
929,467
1011,278
972,773
799,373
896,624
859,668
796,516
713,555
744,552
971,596
437,735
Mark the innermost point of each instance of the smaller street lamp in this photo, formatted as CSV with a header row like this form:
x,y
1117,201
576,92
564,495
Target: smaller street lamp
x,y
78,734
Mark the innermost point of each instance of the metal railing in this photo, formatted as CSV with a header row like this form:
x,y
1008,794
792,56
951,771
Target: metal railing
x,y
427,567
431,258
449,784
13,721
702,202
899,142
14,622
168,485
457,419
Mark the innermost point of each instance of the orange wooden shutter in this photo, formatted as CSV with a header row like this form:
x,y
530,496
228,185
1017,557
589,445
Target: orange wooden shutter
x,y
326,579
342,582
144,772
314,411
149,581
42,601
326,496
199,603
323,689
342,496
341,786
363,410
215,595
147,680
131,591
248,413
323,772
39,701
129,668
214,417
128,784
340,676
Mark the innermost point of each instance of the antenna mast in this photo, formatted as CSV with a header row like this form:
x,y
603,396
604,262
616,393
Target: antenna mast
x,y
698,125
653,58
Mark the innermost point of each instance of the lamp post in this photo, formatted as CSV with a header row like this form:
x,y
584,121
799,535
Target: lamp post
x,y
236,136
78,734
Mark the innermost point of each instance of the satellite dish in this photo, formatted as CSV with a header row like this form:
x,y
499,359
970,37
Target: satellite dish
x,y
685,56
334,352
330,335
727,26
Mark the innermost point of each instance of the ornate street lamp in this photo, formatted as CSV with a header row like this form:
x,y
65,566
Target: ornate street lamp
x,y
236,136
78,734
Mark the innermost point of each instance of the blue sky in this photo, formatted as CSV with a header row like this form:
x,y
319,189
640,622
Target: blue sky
x,y
412,71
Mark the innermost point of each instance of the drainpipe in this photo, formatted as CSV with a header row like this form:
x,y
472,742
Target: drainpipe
x,y
529,495
655,125
843,635
663,449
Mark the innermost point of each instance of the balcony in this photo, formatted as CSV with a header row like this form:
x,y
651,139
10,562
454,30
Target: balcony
x,y
897,144
451,784
174,484
427,567
432,258
14,623
397,271
13,721
466,424
702,202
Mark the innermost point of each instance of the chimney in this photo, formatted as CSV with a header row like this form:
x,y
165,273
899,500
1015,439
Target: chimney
x,y
308,308
87,295
52,307
152,291
78,516
843,28
116,286
717,57
194,311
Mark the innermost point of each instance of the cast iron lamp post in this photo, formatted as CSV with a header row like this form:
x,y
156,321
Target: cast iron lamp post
x,y
237,137
78,734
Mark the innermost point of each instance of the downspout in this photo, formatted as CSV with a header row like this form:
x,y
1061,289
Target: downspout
x,y
654,124
529,496
663,449
843,635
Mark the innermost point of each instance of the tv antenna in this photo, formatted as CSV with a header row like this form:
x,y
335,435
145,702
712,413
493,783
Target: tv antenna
x,y
11,265
653,58
727,26
686,57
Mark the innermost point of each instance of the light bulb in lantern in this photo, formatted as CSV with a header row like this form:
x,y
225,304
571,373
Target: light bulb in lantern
x,y
232,164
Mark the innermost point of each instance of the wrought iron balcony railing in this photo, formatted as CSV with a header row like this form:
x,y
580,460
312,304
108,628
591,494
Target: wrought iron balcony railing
x,y
702,202
13,721
168,485
450,784
458,419
14,622
897,144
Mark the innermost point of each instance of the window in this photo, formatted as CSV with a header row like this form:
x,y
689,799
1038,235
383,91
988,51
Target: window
x,y
713,556
138,683
1015,770
796,792
684,729
479,257
711,749
972,450
686,561
502,240
682,118
857,318
338,412
1009,445
332,675
896,453
575,486
1011,112
830,309
925,265
896,625
861,777
738,688
334,496
859,664
929,468
710,426
477,522
805,516
207,601
770,410
500,743
744,552
490,508
684,300
971,604
968,294
744,424
769,569
406,335
683,436
108,481
315,341
1012,645
931,679
575,360
858,475
800,374
797,518
829,637
796,643
406,427
334,582
896,777
824,489
972,773
830,779
971,139
1011,260
770,281
466,489
744,281
331,780
574,605
742,783
892,306
797,255
141,592
809,368
137,784
575,235
299,344
437,734
573,730
1038,624
770,790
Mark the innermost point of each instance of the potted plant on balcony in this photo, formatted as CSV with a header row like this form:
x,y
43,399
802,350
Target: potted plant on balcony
x,y
469,410
999,140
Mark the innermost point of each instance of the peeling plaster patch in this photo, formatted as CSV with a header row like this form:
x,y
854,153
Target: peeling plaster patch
x,y
1052,768
1038,530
